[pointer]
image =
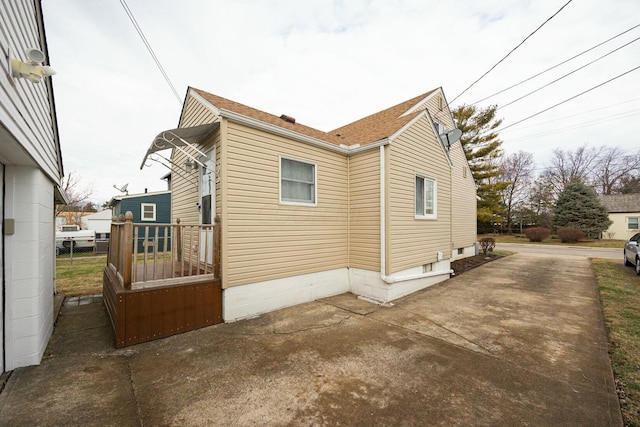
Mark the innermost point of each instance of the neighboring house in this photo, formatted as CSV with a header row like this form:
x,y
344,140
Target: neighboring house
x,y
100,222
624,211
147,208
30,175
379,207
71,218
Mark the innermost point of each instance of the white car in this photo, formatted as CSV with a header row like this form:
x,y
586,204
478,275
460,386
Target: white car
x,y
631,255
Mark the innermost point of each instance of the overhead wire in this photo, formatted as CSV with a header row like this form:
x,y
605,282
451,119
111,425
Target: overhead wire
x,y
148,46
555,66
568,99
568,74
511,51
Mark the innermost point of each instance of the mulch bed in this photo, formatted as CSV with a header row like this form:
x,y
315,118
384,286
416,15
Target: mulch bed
x,y
465,264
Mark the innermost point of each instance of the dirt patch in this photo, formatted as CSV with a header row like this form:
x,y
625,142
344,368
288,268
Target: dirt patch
x,y
465,264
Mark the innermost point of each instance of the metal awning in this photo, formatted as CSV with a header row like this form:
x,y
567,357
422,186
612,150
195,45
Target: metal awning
x,y
179,139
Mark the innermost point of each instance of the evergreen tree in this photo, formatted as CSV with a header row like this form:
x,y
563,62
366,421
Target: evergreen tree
x,y
482,147
578,206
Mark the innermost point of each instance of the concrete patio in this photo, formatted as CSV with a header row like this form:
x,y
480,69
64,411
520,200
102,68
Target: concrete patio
x,y
502,344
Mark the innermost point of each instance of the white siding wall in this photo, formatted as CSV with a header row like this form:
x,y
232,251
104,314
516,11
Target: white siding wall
x,y
29,150
29,266
24,106
618,230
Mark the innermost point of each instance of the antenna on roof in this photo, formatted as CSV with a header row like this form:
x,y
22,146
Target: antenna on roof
x,y
122,189
450,137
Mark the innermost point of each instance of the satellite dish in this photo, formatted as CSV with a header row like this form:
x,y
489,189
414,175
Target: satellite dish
x,y
122,189
450,137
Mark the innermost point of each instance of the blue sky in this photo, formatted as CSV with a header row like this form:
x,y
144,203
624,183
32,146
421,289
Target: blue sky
x,y
327,63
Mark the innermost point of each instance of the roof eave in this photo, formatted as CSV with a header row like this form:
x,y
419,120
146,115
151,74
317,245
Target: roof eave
x,y
286,133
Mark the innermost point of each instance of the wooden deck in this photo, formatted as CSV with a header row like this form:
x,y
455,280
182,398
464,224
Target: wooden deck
x,y
160,292
160,309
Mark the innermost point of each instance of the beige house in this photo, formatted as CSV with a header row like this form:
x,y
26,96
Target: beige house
x,y
379,207
624,212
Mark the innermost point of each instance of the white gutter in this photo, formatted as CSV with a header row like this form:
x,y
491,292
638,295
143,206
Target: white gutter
x,y
383,218
286,133
383,236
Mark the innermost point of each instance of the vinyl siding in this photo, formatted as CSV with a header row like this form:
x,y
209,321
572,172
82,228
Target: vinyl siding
x,y
413,242
267,240
185,190
364,210
463,206
25,108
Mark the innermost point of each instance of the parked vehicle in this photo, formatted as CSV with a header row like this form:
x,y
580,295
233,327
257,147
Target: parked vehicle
x,y
71,236
631,255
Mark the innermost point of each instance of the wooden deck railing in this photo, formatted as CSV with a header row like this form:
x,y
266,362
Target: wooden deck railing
x,y
140,253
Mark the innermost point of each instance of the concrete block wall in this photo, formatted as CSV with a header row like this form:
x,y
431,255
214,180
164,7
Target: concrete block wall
x,y
29,266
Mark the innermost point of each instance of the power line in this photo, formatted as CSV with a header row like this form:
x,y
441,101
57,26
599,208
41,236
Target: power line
x,y
564,118
511,51
568,74
569,99
555,66
148,46
601,120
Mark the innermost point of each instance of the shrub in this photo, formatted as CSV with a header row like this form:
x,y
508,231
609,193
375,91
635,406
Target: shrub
x,y
537,234
487,244
570,234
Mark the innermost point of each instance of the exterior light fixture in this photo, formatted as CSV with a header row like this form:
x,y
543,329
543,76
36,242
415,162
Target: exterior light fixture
x,y
32,70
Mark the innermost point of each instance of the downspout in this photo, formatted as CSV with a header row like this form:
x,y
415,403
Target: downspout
x,y
383,236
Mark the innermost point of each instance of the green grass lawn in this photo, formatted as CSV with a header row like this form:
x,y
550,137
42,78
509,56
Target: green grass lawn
x,y
520,238
620,295
82,276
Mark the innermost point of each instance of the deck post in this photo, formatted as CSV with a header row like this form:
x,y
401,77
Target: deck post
x,y
127,248
216,247
178,242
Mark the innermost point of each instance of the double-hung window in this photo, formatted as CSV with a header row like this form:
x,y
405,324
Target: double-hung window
x,y
148,211
426,196
297,182
632,223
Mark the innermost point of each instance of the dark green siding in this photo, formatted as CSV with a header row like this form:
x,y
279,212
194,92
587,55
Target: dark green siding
x,y
163,215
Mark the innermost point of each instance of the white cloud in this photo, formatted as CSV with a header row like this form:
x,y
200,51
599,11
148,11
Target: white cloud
x,y
328,63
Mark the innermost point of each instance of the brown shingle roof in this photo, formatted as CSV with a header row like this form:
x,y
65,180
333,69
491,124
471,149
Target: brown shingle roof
x,y
366,130
379,125
254,113
620,203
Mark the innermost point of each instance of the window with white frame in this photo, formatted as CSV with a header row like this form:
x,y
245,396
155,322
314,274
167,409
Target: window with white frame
x,y
632,222
426,197
148,211
297,182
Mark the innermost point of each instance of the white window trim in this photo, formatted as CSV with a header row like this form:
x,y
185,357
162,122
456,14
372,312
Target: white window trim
x,y
434,215
315,183
142,206
628,222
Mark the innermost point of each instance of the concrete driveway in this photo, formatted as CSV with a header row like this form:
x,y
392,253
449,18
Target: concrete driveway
x,y
562,251
503,344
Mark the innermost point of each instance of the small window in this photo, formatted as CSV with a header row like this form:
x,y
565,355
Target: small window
x,y
632,223
425,198
148,211
297,182
460,251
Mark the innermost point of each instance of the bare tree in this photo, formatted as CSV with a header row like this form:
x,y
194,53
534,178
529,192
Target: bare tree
x,y
517,169
77,195
568,166
614,169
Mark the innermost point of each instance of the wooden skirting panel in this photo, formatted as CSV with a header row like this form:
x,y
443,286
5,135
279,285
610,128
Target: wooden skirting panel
x,y
141,315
